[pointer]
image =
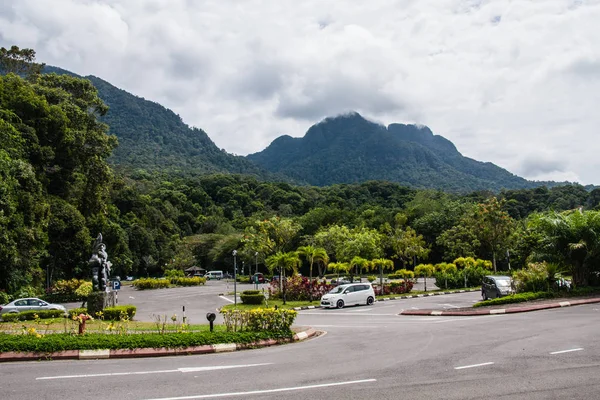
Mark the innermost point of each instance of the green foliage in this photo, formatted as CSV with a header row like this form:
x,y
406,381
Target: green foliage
x,y
371,278
74,312
151,283
402,274
252,298
119,313
84,290
4,299
260,319
174,273
516,298
32,315
194,281
61,342
251,292
534,278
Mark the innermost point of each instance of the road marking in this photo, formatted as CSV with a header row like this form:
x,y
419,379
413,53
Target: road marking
x,y
342,313
474,365
363,310
449,305
225,298
166,371
286,389
567,351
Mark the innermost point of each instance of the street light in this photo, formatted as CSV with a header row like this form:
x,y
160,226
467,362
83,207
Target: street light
x,y
256,268
234,279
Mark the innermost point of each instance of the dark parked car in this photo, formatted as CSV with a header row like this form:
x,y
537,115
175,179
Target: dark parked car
x,y
258,278
494,286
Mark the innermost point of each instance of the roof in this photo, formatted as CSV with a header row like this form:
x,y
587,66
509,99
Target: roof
x,y
194,269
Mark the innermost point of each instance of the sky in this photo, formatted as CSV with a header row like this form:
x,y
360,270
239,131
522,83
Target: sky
x,y
513,82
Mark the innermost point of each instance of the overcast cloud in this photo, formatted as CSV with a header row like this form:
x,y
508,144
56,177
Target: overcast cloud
x,y
516,83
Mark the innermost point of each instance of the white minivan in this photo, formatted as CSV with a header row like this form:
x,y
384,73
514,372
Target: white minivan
x,y
350,294
215,275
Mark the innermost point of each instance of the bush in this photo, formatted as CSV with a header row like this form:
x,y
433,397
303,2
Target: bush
x,y
394,288
61,342
4,299
252,298
456,279
298,288
84,290
243,279
251,292
533,278
151,283
76,311
174,273
516,298
402,274
371,278
32,315
182,281
65,291
118,313
260,319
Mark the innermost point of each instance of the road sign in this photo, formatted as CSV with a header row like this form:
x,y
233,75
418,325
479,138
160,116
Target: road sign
x,y
116,285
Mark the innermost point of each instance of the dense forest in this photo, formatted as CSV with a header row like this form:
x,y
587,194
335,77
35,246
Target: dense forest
x,y
58,191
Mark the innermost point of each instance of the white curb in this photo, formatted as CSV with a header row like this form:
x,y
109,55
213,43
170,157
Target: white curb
x,y
499,311
224,347
93,354
564,304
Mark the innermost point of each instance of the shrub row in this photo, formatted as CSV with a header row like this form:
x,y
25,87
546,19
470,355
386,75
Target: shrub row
x,y
183,281
118,313
260,319
516,298
151,283
59,342
31,315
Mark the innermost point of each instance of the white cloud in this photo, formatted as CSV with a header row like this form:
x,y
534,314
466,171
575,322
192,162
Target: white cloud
x,y
514,83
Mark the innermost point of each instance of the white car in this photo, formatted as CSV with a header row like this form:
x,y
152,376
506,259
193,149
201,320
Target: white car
x,y
28,304
350,294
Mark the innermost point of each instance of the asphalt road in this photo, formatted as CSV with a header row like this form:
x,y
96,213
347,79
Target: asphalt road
x,y
367,353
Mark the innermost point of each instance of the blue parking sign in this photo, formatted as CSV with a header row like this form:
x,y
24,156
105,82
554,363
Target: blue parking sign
x,y
116,285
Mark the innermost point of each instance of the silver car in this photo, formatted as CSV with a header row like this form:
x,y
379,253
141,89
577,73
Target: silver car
x,y
31,303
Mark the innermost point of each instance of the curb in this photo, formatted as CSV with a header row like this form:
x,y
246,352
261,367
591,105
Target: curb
x,y
150,352
493,311
412,296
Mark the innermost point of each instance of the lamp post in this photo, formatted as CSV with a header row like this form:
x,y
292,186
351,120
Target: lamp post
x,y
234,279
256,268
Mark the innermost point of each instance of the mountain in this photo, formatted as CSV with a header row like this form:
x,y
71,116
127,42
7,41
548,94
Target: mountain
x,y
154,138
349,149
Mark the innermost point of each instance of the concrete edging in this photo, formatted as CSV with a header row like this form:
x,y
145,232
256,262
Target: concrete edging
x,y
150,352
494,311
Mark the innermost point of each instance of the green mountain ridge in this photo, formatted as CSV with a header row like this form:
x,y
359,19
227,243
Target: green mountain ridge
x,y
154,138
350,149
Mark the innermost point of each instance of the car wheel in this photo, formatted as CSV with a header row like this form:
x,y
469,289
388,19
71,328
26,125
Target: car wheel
x,y
370,301
340,304
484,296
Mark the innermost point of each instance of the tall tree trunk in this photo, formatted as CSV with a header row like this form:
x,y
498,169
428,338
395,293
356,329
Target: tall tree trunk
x,y
310,285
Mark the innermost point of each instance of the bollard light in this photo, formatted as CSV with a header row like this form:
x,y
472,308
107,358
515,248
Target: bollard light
x,y
211,318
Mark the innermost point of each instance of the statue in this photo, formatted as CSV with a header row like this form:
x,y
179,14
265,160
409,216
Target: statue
x,y
100,265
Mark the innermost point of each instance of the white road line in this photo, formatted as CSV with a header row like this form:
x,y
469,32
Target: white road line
x,y
166,371
567,351
474,365
225,298
287,389
304,312
449,305
363,310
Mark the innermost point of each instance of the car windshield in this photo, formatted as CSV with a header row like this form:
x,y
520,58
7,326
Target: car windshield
x,y
503,282
338,289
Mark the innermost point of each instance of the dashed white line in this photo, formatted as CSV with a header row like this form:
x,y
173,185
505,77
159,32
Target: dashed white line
x,y
567,351
474,365
286,389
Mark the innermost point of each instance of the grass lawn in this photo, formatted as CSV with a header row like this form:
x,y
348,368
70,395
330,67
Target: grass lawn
x,y
60,325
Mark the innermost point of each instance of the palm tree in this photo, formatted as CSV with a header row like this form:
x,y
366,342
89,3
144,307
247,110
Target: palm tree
x,y
381,264
337,267
284,262
312,255
358,263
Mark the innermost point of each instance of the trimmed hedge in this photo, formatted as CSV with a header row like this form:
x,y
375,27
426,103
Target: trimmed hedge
x,y
251,292
118,313
252,298
60,342
151,283
32,314
182,281
74,312
516,298
259,319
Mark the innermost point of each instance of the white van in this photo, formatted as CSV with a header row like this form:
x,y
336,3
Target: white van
x,y
214,275
346,295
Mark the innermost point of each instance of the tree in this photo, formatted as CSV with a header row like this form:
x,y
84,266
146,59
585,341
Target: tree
x,y
381,264
406,244
570,239
284,262
426,271
19,61
313,254
493,226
